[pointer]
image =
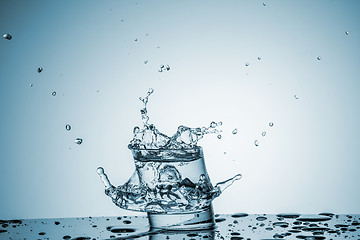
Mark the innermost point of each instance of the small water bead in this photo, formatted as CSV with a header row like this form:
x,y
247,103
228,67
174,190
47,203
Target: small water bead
x,y
263,134
256,143
318,58
39,70
271,124
53,93
7,36
261,218
235,131
78,141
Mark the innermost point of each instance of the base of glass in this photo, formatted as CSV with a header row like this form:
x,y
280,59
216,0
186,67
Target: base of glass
x,y
183,221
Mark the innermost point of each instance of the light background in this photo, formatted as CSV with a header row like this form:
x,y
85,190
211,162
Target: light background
x,y
308,162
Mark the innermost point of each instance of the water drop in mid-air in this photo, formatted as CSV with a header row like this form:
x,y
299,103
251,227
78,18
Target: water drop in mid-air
x,y
271,124
31,85
347,33
264,4
263,134
39,70
68,127
78,141
219,136
7,36
318,58
259,58
53,93
296,96
235,131
256,143
247,64
167,67
146,61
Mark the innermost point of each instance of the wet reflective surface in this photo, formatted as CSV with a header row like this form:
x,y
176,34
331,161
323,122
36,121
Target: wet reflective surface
x,y
229,226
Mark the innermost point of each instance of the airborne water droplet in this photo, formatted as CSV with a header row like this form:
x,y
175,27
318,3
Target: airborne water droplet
x,y
264,4
296,96
263,134
78,141
167,67
31,85
213,124
318,58
235,131
68,127
271,124
53,93
347,33
259,58
39,70
256,143
7,36
246,64
219,136
146,61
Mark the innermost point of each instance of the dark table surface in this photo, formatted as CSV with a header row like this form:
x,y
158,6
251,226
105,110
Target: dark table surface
x,y
228,226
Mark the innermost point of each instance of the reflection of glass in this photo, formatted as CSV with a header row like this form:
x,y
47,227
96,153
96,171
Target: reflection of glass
x,y
171,185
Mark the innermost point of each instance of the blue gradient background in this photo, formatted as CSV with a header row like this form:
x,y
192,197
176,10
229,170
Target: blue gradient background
x,y
308,162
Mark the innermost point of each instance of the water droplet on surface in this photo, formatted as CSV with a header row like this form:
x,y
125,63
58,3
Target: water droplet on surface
x,y
261,218
256,143
78,141
271,124
247,64
263,134
7,36
318,58
238,215
39,70
235,131
288,215
68,127
312,218
53,93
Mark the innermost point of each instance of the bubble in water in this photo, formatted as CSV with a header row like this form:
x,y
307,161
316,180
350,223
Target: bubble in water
x,y
247,64
39,70
263,134
53,93
68,127
318,58
219,136
235,131
296,96
256,143
78,141
271,124
7,36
